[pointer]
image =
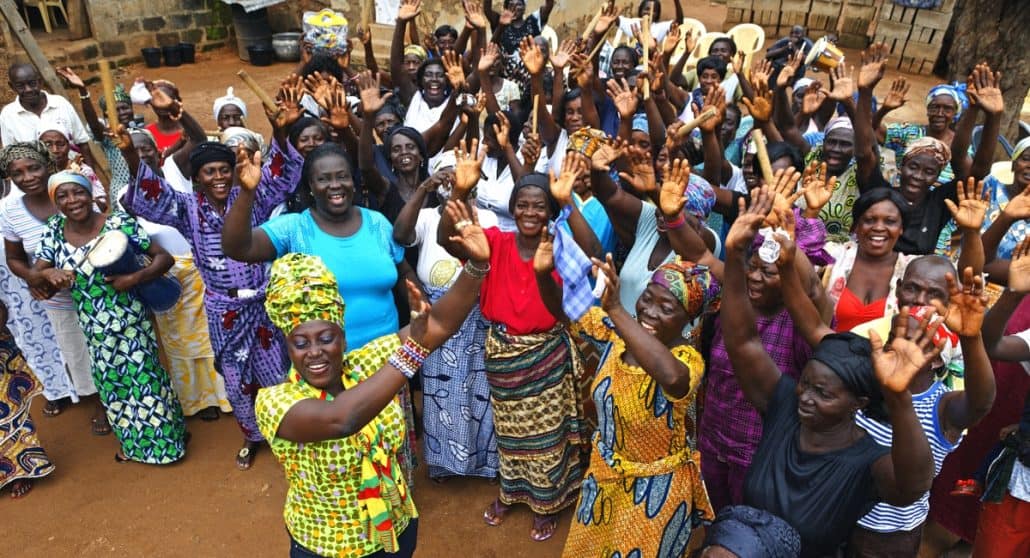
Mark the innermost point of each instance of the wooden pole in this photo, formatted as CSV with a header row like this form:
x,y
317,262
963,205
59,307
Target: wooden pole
x,y
763,156
536,108
256,88
705,116
645,37
593,22
107,82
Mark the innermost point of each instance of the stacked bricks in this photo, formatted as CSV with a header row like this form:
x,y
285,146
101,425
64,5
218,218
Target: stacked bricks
x,y
767,14
914,36
857,17
738,11
822,17
792,12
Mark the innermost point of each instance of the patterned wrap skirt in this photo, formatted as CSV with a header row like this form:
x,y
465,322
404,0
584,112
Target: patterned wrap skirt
x,y
538,417
21,456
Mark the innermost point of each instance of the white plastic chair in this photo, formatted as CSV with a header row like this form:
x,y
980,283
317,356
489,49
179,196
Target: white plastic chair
x,y
692,25
44,7
749,38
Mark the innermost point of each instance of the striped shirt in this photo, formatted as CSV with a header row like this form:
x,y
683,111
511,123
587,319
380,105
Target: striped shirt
x,y
885,518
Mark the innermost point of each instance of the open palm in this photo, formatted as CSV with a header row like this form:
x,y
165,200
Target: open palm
x,y
1019,268
676,177
966,305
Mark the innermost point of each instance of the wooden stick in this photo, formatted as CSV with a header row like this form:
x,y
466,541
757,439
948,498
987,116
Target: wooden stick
x,y
597,47
253,85
705,116
364,13
593,23
536,108
645,37
763,156
107,82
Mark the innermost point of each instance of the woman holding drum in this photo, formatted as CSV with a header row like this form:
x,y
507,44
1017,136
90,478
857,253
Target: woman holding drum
x,y
136,392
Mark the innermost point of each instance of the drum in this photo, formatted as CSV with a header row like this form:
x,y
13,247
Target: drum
x,y
114,255
824,56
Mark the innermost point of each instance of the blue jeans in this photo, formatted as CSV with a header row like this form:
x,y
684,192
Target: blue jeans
x,y
405,542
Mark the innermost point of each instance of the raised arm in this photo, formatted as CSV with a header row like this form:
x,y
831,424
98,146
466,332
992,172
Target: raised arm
x,y
467,171
545,12
407,219
543,267
682,235
409,9
896,98
92,120
985,92
1009,348
239,241
755,370
623,208
371,102
573,168
1017,208
874,62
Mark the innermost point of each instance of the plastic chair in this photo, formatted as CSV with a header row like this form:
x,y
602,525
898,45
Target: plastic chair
x,y
749,38
44,7
688,24
549,33
701,49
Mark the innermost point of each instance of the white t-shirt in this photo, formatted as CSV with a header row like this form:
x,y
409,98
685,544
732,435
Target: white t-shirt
x,y
494,191
20,124
437,268
659,29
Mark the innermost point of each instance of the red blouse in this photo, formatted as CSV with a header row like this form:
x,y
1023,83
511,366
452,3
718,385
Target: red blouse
x,y
851,312
509,294
164,141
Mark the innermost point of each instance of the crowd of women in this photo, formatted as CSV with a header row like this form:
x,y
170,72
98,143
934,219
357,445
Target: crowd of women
x,y
780,329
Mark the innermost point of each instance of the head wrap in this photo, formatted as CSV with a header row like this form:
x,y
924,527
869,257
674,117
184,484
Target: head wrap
x,y
752,533
120,96
802,83
249,139
210,152
640,123
849,356
1020,147
700,197
444,160
417,51
692,284
34,150
534,180
145,133
940,150
52,125
586,140
229,99
302,289
842,122
67,177
956,91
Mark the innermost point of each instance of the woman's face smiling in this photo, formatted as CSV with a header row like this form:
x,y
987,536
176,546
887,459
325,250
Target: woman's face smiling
x,y
404,154
434,83
74,201
316,352
531,211
332,185
879,228
310,138
660,313
216,180
29,175
918,173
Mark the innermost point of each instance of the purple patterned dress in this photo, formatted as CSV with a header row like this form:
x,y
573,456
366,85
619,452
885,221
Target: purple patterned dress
x,y
250,352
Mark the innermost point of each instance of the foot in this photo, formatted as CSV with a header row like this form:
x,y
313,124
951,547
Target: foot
x,y
245,457
20,488
495,513
100,426
120,458
53,408
209,414
543,527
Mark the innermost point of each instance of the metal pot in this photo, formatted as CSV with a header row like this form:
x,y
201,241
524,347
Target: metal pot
x,y
286,46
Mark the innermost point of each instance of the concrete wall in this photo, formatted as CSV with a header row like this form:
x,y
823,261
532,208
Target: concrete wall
x,y
122,28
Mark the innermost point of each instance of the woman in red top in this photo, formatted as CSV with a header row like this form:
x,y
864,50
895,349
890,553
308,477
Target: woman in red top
x,y
167,130
532,365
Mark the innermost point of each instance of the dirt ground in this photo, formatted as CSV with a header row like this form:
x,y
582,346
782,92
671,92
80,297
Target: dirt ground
x,y
92,506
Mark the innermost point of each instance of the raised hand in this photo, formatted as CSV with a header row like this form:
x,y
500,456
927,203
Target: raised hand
x,y
843,83
749,220
560,58
607,153
874,62
364,34
760,107
531,149
641,171
532,56
609,15
369,91
502,130
338,111
71,78
967,304
582,69
470,235
288,111
715,99
1019,268
623,96
610,297
455,73
474,14
971,209
573,166
985,90
672,39
467,169
121,136
543,259
1018,206
320,87
897,95
910,350
675,178
161,100
488,57
507,16
789,69
409,9
761,71
248,168
813,98
784,197
817,187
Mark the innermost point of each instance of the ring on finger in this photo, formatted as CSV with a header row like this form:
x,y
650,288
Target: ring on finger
x,y
462,224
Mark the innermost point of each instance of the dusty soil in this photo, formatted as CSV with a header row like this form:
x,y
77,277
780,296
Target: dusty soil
x,y
92,506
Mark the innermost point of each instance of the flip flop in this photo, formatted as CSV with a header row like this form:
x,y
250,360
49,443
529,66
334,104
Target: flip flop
x,y
209,415
20,488
100,427
540,524
495,513
53,408
119,458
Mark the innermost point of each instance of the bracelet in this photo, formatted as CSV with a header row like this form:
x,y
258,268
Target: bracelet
x,y
84,97
677,223
408,358
476,272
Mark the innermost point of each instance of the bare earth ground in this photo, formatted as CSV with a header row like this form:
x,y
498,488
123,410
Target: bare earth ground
x,y
92,506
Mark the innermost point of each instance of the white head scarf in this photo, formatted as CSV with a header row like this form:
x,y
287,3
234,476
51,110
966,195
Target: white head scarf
x,y
229,99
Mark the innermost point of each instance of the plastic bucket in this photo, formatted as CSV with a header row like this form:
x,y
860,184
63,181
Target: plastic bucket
x,y
172,55
251,29
260,55
151,56
188,53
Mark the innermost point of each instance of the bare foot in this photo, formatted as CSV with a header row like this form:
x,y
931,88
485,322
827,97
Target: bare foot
x,y
20,488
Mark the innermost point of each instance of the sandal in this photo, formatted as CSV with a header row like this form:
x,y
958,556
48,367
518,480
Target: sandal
x,y
208,415
100,426
544,527
20,488
495,513
120,458
245,457
53,408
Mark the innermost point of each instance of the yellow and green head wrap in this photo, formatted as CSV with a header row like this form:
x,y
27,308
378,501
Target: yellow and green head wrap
x,y
692,284
302,289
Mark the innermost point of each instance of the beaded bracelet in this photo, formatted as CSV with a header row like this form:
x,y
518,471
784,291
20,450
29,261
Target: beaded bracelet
x,y
408,358
679,222
476,272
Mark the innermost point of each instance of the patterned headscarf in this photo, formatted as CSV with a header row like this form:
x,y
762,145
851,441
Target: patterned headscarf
x,y
700,197
586,140
120,96
842,122
955,91
692,284
34,150
417,51
940,150
67,177
1016,151
302,289
234,136
145,133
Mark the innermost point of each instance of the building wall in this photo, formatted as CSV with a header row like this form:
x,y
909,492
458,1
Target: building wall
x,y
122,27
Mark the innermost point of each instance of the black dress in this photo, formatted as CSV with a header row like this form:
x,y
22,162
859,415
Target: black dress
x,y
821,495
926,220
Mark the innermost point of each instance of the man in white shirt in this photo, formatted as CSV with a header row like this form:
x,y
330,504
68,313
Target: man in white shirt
x,y
19,120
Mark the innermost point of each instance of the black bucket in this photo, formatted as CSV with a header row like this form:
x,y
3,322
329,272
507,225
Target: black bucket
x,y
261,55
151,56
251,29
173,56
188,53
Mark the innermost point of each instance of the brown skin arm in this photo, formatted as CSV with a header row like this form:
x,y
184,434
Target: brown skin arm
x,y
905,474
239,241
18,262
999,346
622,208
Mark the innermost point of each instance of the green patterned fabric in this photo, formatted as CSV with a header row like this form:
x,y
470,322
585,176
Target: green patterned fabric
x,y
136,392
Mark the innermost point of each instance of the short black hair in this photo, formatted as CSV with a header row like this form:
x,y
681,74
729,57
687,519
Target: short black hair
x,y
733,45
324,64
875,196
712,63
632,53
444,30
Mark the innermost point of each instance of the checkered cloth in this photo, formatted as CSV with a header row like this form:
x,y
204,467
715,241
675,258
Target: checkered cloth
x,y
574,269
